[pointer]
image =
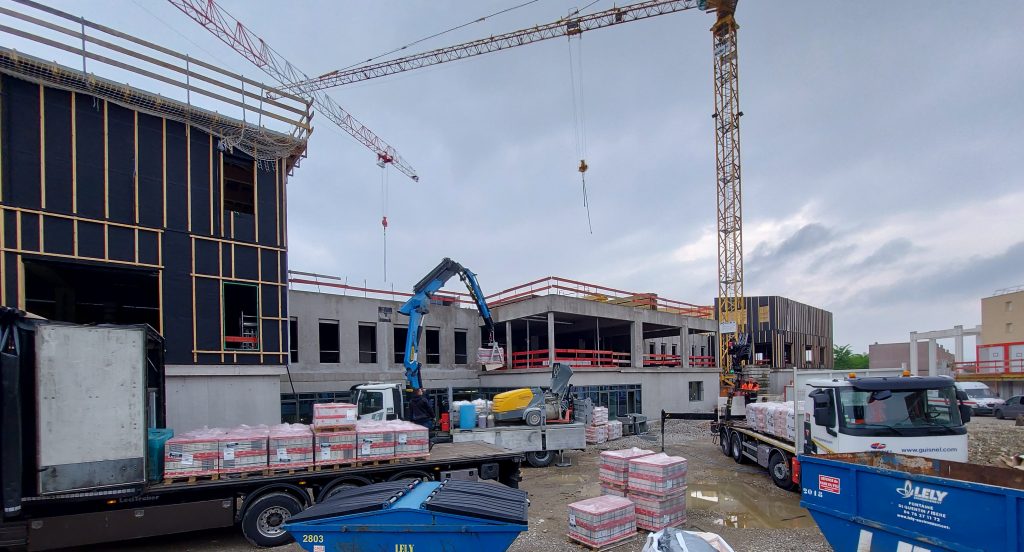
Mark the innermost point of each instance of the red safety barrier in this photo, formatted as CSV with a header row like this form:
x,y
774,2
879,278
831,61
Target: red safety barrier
x,y
1013,366
577,358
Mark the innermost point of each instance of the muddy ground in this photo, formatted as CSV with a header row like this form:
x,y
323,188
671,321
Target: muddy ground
x,y
736,501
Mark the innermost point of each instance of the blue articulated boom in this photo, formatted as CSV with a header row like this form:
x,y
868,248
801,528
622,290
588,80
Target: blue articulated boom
x,y
419,305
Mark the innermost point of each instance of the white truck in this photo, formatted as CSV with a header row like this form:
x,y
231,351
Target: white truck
x,y
540,444
851,412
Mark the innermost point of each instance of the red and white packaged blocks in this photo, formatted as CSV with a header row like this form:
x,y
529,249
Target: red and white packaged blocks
x,y
334,447
334,416
613,489
657,474
243,449
602,520
655,513
600,416
614,466
596,434
614,430
193,453
411,440
291,446
374,441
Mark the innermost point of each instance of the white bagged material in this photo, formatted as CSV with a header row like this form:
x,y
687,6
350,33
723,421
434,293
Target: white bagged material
x,y
291,446
335,447
334,416
657,474
600,415
482,407
772,418
602,520
596,434
614,430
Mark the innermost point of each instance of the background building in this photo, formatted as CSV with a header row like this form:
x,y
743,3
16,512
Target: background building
x,y
119,205
897,355
1000,350
787,334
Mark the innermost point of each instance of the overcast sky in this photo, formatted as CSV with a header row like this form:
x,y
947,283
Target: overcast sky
x,y
881,148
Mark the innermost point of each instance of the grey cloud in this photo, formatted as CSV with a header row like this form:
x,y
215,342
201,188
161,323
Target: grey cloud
x,y
807,239
891,251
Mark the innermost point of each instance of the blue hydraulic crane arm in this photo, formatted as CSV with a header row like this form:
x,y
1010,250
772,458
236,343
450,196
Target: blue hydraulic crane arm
x,y
419,305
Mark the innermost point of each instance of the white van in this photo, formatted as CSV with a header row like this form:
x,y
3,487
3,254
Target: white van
x,y
981,398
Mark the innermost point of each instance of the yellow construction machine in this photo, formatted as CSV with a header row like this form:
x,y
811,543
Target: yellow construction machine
x,y
535,406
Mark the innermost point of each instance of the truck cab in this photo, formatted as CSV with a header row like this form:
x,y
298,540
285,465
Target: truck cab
x,y
919,416
379,401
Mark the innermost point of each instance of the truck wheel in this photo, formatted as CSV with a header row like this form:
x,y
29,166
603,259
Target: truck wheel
x,y
778,467
340,484
540,458
533,418
723,441
999,414
411,474
263,522
736,442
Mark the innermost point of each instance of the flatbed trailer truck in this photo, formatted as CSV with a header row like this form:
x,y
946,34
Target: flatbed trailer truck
x,y
75,406
847,413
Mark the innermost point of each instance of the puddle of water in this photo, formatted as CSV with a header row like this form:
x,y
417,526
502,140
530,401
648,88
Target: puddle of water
x,y
737,505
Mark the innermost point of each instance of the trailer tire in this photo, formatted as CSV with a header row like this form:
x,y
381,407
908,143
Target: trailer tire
x,y
263,521
778,467
411,474
336,486
540,458
723,442
736,448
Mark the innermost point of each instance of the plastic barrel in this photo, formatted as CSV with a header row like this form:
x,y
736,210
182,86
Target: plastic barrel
x,y
467,416
481,421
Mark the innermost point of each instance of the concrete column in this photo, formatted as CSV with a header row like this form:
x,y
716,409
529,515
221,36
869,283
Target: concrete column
x,y
384,335
958,344
551,339
508,344
933,360
913,353
684,347
636,348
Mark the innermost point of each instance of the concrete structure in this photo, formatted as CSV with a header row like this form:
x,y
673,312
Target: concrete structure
x,y
897,355
957,333
1002,317
119,205
342,340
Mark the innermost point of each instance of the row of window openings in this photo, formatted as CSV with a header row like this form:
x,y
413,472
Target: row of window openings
x,y
330,343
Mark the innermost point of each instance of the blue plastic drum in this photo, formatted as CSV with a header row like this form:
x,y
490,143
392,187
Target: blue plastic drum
x,y
467,416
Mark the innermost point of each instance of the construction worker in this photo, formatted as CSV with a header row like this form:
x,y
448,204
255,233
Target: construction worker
x,y
421,413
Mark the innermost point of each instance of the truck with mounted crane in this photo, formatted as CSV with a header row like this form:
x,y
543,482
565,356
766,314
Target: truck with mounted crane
x,y
524,413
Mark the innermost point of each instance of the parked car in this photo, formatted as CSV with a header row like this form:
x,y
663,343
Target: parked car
x,y
980,397
1013,407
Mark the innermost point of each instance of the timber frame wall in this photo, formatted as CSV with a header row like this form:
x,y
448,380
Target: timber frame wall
x,y
778,321
84,179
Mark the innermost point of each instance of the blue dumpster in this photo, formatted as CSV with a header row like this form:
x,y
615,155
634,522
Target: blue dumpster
x,y
411,515
890,502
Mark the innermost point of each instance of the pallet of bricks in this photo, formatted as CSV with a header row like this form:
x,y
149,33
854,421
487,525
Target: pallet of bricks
x,y
334,434
291,448
192,455
613,471
411,440
602,521
597,430
375,441
657,486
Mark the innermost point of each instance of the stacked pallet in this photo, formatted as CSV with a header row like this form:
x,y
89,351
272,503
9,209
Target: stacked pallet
x,y
291,447
411,440
335,447
602,521
243,449
597,430
773,418
657,485
192,454
600,416
332,416
375,440
614,430
613,471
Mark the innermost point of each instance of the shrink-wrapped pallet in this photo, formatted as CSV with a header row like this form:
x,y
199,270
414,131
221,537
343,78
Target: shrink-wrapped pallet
x,y
601,521
291,446
596,434
192,454
613,489
334,416
614,465
614,430
657,474
600,416
655,513
411,440
243,449
335,447
374,441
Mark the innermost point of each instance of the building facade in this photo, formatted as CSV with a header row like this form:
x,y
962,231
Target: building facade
x,y
118,205
1000,350
785,333
897,355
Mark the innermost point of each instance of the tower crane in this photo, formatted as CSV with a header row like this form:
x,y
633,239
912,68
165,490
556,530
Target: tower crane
x,y
733,345
253,48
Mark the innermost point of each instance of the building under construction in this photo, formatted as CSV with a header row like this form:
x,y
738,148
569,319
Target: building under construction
x,y
164,207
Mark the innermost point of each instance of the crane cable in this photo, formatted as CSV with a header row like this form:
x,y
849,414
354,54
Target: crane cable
x,y
579,120
384,212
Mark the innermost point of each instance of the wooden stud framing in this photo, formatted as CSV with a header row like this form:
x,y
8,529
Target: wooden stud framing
x,y
1,149
220,160
277,202
230,242
74,165
255,197
195,357
42,154
21,282
160,299
210,160
239,280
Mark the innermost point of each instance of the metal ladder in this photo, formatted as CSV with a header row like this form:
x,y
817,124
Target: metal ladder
x,y
249,326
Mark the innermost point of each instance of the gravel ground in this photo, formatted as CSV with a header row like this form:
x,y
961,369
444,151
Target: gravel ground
x,y
736,501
